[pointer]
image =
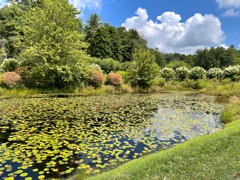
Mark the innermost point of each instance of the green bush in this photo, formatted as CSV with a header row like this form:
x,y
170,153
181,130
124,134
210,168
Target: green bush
x,y
158,82
197,73
125,76
230,114
9,65
108,64
194,84
182,72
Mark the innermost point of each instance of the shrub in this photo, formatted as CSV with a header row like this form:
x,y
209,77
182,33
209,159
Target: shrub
x,y
143,69
114,79
11,79
9,65
176,64
167,73
197,73
231,72
96,79
158,82
182,73
125,76
214,73
107,65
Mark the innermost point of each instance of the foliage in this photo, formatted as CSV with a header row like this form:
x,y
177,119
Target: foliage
x,y
52,76
96,79
9,65
176,64
182,72
93,23
106,43
114,79
231,72
214,73
167,73
107,64
11,79
143,69
159,57
231,113
51,41
125,75
159,82
197,73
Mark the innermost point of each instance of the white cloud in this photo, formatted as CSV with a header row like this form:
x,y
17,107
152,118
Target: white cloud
x,y
84,4
229,3
231,13
170,35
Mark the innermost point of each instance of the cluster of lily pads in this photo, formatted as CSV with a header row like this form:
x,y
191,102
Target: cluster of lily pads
x,y
51,137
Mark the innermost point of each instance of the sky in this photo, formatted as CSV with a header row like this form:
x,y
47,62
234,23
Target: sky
x,y
182,26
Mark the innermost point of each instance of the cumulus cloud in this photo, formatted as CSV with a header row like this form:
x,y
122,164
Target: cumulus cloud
x,y
84,4
231,13
228,3
170,35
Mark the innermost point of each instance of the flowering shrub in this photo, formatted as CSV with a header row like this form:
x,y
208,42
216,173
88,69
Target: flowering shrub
x,y
9,65
114,79
214,73
11,79
182,72
197,73
96,79
168,73
231,72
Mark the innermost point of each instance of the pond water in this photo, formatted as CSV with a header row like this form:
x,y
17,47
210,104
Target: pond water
x,y
53,137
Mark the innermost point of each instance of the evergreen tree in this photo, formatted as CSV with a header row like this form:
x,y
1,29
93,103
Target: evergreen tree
x,y
93,23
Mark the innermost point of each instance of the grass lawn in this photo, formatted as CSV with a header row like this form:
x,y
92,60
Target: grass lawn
x,y
215,156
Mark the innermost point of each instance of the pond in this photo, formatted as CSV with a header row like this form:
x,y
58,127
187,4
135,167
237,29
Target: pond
x,y
52,137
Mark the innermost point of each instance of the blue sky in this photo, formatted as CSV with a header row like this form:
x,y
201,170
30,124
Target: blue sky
x,y
172,25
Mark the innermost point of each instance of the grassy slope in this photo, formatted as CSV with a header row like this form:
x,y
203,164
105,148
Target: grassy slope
x,y
215,156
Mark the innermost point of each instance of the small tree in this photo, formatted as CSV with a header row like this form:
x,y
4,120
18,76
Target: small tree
x,y
197,73
143,69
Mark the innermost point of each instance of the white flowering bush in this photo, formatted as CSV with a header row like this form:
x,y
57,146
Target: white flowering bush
x,y
182,72
231,72
197,73
9,65
167,73
95,66
214,73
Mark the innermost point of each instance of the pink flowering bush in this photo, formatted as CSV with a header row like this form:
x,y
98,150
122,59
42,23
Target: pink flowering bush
x,y
114,79
11,79
96,79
